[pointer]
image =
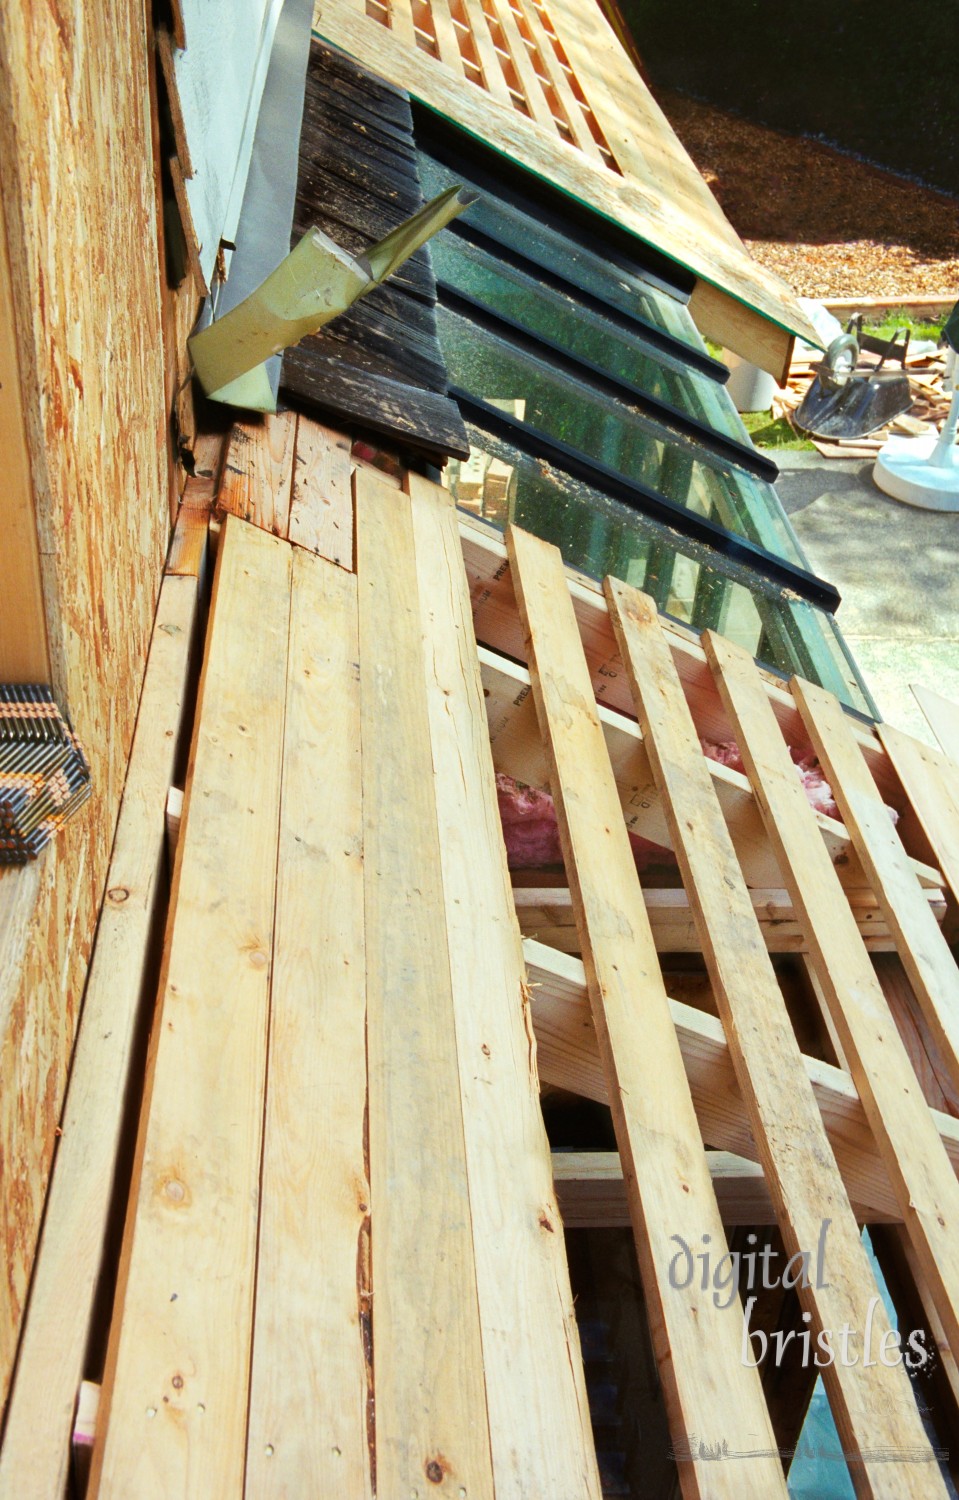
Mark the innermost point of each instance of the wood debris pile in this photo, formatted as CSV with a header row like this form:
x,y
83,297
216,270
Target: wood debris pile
x,y
929,408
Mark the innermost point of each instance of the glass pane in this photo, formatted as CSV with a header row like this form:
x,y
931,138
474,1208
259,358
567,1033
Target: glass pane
x,y
600,536
550,314
559,253
614,434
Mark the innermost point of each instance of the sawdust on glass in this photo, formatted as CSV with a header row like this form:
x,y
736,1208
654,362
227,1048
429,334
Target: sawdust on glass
x,y
830,225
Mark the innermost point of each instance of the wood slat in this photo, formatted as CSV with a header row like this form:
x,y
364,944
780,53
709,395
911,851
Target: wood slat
x,y
540,1431
942,716
493,79
35,1454
432,1434
592,1192
321,514
922,947
568,1055
710,1393
560,82
523,64
309,1391
873,1403
675,931
906,1136
931,782
446,39
174,1404
257,478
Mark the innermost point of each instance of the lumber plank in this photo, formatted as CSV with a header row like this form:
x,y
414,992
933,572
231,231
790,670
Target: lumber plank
x,y
905,1133
24,653
95,429
174,1401
942,716
873,1405
540,1432
568,1058
309,1388
321,513
708,1389
931,782
592,1192
922,947
729,322
257,479
559,82
431,1423
446,39
53,1343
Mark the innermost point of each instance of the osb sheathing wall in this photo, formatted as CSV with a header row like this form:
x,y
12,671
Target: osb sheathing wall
x,y
80,206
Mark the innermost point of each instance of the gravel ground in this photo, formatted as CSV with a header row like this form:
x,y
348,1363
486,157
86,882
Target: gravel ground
x,y
830,225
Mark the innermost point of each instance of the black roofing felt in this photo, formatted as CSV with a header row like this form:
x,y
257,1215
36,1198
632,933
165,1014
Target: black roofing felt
x,y
378,367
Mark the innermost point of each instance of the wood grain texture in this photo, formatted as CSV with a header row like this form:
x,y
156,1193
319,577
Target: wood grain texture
x,y
660,197
431,1421
734,325
872,1403
89,345
35,1453
931,782
922,947
321,515
709,1392
942,716
906,1136
24,656
540,1432
309,1386
568,1056
257,480
174,1403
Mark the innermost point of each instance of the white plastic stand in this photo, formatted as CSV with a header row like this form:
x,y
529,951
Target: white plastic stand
x,y
924,471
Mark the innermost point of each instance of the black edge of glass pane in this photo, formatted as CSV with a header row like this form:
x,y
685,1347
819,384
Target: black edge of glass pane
x,y
495,173
649,502
492,244
584,371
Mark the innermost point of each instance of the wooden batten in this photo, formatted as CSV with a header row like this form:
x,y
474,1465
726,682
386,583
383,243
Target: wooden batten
x,y
729,322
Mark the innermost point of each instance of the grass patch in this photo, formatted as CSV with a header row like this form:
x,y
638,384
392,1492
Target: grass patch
x,y
767,433
887,327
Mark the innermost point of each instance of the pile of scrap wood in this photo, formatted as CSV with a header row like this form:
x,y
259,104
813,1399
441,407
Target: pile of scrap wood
x,y
927,413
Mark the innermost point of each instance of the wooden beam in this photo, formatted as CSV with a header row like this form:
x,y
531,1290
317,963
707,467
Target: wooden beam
x,y
50,1367
931,782
922,947
546,912
568,1056
942,716
592,1192
873,1405
730,322
530,1338
24,653
176,1386
310,1391
431,1420
905,1134
669,1185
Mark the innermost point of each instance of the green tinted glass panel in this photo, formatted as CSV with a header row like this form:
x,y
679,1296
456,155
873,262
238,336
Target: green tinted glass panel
x,y
614,434
583,333
598,535
559,253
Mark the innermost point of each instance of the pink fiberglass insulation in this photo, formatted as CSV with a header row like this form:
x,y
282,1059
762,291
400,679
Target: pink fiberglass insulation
x,y
532,836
